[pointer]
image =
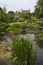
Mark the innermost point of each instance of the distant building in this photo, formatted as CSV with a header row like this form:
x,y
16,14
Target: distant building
x,y
25,11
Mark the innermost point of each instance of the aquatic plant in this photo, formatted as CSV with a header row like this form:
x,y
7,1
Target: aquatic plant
x,y
23,52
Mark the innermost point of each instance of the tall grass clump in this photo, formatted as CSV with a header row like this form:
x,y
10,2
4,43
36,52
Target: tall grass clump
x,y
23,52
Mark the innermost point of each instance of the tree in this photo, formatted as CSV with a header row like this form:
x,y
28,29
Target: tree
x,y
4,19
11,15
4,9
26,14
3,15
1,12
39,9
40,2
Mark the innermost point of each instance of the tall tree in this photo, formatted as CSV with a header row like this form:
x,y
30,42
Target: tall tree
x,y
4,9
3,15
1,12
11,15
4,19
39,9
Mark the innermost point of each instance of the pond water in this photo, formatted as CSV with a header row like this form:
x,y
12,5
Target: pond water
x,y
37,45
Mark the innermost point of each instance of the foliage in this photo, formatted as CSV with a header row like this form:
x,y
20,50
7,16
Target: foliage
x,y
3,16
15,28
41,15
16,18
41,35
4,19
39,9
40,2
3,28
34,23
11,16
26,15
20,20
23,52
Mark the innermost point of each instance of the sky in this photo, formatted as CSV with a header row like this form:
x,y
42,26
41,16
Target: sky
x,y
17,5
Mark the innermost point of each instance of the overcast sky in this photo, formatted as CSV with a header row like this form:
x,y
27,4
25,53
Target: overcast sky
x,y
18,4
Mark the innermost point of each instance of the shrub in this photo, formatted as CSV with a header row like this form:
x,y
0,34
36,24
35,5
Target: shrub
x,y
22,52
20,20
15,28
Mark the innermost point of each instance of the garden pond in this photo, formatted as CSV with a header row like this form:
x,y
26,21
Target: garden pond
x,y
38,45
